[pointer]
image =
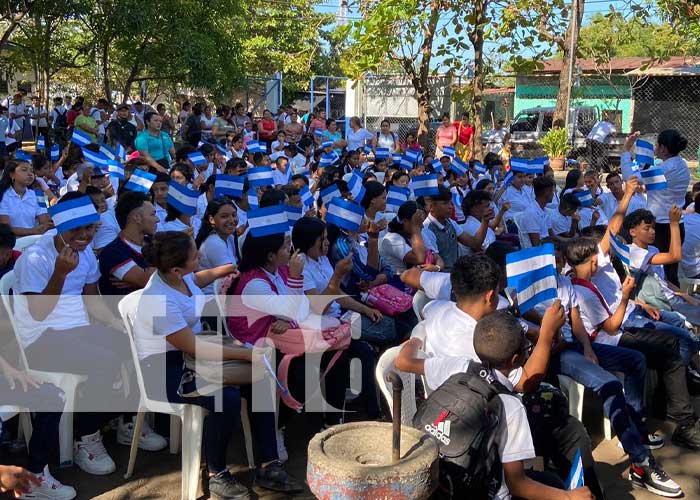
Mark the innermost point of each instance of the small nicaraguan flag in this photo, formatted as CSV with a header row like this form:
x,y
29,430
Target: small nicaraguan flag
x,y
479,168
228,185
115,169
346,215
457,199
108,152
55,152
413,155
407,162
140,180
368,149
519,165
537,165
396,196
396,157
327,159
293,215
307,198
121,152
22,155
80,138
318,132
329,193
268,220
459,166
533,274
654,179
182,198
425,185
96,158
41,198
73,213
257,147
355,186
327,144
437,166
260,176
253,202
382,154
620,249
448,151
40,143
197,159
644,152
508,178
585,197
575,479
634,166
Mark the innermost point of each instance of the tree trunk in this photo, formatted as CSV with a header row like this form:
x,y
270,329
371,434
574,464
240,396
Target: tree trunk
x,y
560,110
106,87
477,39
424,110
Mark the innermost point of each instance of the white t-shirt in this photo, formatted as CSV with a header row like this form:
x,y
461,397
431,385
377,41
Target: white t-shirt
x,y
436,285
317,275
593,314
216,252
33,270
22,211
691,246
560,223
393,249
472,225
639,259
357,139
609,206
601,130
429,239
163,311
519,201
386,141
586,215
108,230
535,220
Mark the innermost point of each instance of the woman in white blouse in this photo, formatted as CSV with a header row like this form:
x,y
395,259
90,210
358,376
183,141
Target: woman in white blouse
x,y
403,247
357,136
19,207
216,240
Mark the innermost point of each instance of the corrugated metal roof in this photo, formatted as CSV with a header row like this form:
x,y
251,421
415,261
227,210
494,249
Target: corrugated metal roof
x,y
676,65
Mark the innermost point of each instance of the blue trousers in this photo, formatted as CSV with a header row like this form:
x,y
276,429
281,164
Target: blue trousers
x,y
670,321
625,416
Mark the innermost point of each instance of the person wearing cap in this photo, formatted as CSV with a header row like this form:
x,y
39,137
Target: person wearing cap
x,y
121,130
154,145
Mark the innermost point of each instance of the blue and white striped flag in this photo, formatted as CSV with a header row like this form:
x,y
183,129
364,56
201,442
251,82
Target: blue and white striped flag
x,y
425,185
459,166
382,154
585,197
413,155
644,152
368,149
480,168
575,479
140,180
634,166
536,165
327,144
654,179
437,166
318,132
620,249
197,159
40,143
396,196
41,198
508,178
533,274
448,151
519,165
345,214
108,152
253,202
115,169
55,152
73,213
329,193
355,186
396,158
327,159
23,155
228,185
293,215
80,138
260,176
457,199
121,152
407,162
182,198
268,220
307,198
257,147
97,159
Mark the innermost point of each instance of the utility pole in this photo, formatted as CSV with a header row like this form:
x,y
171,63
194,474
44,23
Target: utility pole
x,y
573,45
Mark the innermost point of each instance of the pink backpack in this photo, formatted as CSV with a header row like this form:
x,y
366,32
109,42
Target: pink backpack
x,y
388,300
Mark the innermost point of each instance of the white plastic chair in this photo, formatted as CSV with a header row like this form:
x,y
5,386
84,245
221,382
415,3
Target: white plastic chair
x,y
524,238
420,300
220,299
574,393
67,382
419,333
688,285
26,241
385,364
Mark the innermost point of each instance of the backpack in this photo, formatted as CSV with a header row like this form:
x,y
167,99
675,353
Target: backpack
x,y
462,416
61,120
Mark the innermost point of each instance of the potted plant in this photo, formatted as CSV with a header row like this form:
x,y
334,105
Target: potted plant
x,y
556,145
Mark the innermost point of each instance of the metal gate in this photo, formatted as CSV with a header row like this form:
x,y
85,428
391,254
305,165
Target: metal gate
x,y
263,92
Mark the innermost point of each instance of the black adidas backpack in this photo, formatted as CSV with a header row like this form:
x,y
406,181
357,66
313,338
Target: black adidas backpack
x,y
462,416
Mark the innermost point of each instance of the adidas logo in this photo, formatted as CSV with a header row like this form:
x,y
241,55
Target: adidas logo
x,y
440,428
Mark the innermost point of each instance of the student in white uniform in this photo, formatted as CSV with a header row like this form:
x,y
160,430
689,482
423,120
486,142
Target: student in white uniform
x,y
564,218
19,207
109,228
611,198
516,195
477,207
534,221
403,246
691,246
217,239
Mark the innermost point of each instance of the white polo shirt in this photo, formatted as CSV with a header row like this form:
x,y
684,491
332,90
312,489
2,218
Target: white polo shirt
x,y
609,206
560,223
535,220
33,270
215,252
472,225
519,201
429,239
640,259
23,210
393,248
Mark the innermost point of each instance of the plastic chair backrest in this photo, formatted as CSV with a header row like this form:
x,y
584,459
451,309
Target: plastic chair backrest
x,y
26,241
7,283
385,364
420,300
127,309
221,304
524,238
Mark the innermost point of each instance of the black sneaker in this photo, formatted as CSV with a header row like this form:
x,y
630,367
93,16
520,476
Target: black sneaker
x,y
649,476
274,477
687,436
225,487
652,441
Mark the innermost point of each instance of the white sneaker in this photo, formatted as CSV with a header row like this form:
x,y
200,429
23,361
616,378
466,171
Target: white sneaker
x,y
282,454
149,440
90,455
50,488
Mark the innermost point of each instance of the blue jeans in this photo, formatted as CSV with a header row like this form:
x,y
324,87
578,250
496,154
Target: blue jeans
x,y
625,416
671,322
691,312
